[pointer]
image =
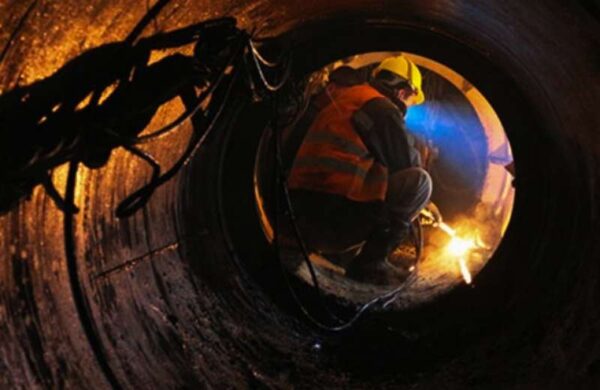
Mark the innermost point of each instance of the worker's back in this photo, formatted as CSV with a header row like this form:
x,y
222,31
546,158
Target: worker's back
x,y
333,158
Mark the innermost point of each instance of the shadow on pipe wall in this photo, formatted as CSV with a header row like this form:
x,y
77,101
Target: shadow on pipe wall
x,y
101,100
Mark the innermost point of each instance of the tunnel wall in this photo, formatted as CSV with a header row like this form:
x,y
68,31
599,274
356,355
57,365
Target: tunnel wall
x,y
159,300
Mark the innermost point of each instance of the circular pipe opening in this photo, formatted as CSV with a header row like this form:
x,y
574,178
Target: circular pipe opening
x,y
426,334
345,40
468,158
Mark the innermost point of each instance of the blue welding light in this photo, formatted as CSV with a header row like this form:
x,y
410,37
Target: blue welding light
x,y
455,129
416,119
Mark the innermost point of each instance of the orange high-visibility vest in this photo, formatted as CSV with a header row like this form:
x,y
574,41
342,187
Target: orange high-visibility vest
x,y
333,157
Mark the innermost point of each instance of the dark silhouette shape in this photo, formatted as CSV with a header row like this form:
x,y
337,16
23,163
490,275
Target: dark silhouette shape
x,y
64,118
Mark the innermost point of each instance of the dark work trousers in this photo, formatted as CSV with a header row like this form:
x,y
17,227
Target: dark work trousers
x,y
332,223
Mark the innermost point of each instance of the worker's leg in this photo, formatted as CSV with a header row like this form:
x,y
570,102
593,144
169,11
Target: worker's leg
x,y
408,192
331,223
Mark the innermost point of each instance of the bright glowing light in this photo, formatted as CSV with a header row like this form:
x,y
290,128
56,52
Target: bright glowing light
x,y
447,229
459,247
464,270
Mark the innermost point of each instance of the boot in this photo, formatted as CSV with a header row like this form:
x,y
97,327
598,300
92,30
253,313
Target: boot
x,y
371,265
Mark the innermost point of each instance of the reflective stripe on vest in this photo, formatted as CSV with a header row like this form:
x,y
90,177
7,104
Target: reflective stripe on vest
x,y
333,158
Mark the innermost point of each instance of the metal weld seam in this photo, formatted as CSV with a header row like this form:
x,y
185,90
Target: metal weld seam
x,y
137,259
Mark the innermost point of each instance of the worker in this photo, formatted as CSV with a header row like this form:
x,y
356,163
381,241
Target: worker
x,y
357,175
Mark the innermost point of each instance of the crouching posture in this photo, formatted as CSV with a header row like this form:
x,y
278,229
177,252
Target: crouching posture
x,y
357,176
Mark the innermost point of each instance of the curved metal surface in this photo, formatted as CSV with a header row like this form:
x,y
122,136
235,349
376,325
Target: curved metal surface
x,y
162,303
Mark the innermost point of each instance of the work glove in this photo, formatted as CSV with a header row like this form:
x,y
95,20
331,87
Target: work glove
x,y
432,214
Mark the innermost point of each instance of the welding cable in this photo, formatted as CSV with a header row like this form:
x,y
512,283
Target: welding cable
x,y
261,58
384,300
140,197
280,180
184,36
44,158
148,42
39,166
173,126
270,87
306,259
52,192
189,113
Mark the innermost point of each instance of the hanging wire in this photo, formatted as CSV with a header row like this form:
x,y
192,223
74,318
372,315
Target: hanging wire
x,y
260,57
270,87
139,198
280,183
280,180
68,147
188,114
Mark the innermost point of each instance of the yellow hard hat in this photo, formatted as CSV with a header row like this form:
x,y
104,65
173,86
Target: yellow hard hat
x,y
406,69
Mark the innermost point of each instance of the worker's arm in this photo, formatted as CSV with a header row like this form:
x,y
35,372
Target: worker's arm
x,y
381,127
427,152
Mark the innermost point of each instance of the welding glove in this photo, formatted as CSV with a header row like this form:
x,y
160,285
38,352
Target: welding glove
x,y
435,212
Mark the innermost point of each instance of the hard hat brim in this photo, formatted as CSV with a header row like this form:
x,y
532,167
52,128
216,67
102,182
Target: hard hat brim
x,y
420,98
